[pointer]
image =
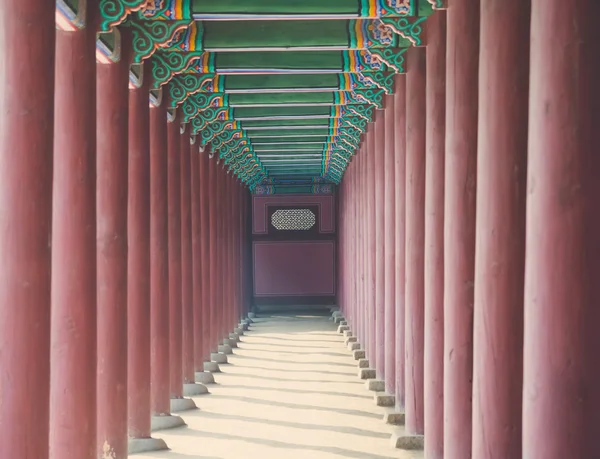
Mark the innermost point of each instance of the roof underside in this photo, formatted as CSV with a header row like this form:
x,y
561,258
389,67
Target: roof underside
x,y
281,90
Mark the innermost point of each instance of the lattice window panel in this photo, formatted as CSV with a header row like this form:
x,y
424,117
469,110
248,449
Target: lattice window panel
x,y
293,219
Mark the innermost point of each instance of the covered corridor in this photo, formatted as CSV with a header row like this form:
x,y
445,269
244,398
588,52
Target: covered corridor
x,y
424,171
291,390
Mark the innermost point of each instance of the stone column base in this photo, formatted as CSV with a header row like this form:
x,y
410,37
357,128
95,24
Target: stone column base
x,y
224,349
218,357
206,377
234,337
393,417
358,354
213,367
239,331
364,363
351,339
353,346
193,389
166,421
401,440
375,385
145,445
367,373
384,399
342,328
182,404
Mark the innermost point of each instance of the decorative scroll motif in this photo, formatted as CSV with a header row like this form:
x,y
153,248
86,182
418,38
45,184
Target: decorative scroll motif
x,y
364,111
114,12
148,36
392,58
370,96
167,65
169,10
366,34
210,115
209,133
379,8
183,86
202,101
408,28
354,121
353,82
192,39
379,79
360,61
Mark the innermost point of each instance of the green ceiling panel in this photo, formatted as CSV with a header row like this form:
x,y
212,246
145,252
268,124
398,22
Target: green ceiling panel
x,y
281,90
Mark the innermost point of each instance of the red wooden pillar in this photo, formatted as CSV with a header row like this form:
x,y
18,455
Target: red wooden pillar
x,y
415,244
361,264
390,253
219,261
26,121
354,244
561,402
174,252
399,231
138,268
370,216
159,270
214,280
500,219
204,294
233,316
187,278
379,158
459,229
198,286
434,236
73,336
227,275
111,200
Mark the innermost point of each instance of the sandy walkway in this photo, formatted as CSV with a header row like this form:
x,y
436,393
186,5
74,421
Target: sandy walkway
x,y
290,391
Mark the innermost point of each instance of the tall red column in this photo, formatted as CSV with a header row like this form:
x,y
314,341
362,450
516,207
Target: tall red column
x,y
379,158
138,260
204,258
213,254
561,402
220,238
364,246
159,270
370,217
462,53
399,232
390,242
434,236
415,232
73,336
500,230
198,286
174,230
187,278
360,260
111,235
26,121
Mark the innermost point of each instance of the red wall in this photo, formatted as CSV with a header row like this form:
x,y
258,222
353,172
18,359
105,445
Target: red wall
x,y
294,266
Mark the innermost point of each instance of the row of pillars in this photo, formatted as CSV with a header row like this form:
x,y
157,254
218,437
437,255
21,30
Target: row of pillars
x,y
121,248
470,233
